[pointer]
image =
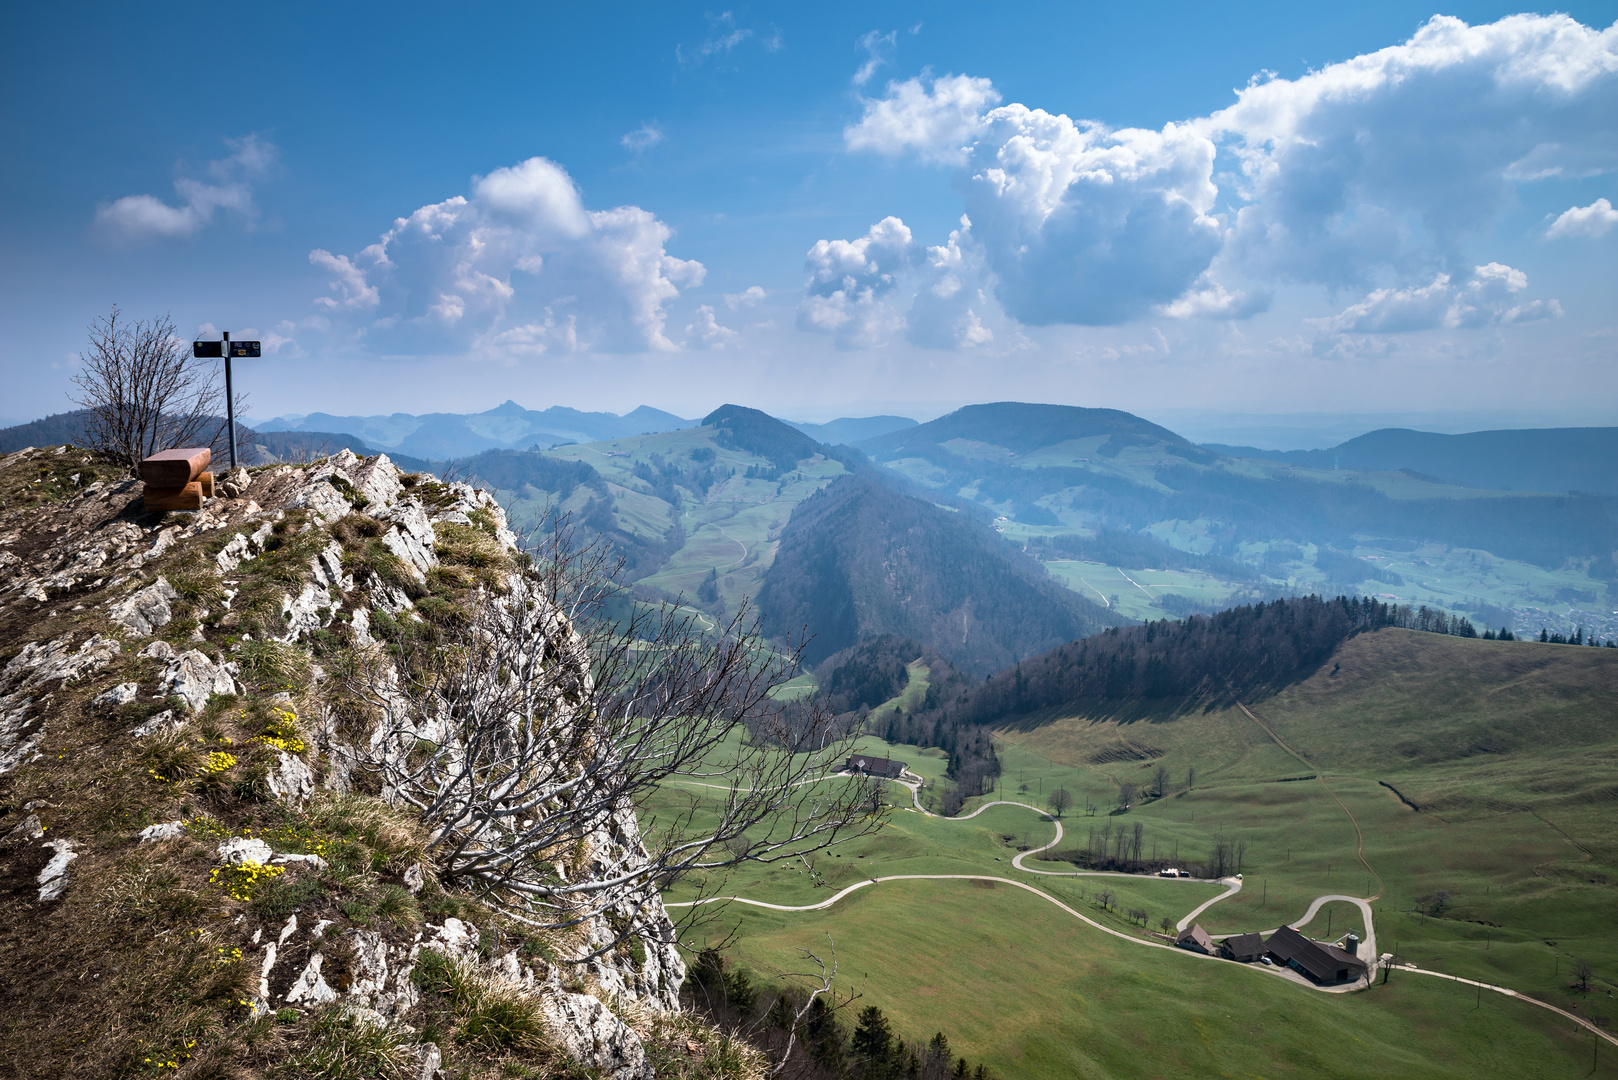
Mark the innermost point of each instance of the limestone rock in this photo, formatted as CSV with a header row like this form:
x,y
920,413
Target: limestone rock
x,y
594,1037
290,779
429,1063
244,849
157,650
326,501
195,678
53,879
168,830
411,537
163,721
29,828
378,481
146,611
313,860
310,987
235,552
54,661
304,614
454,939
122,694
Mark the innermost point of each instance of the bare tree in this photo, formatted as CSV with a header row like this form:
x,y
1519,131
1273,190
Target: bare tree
x,y
1582,974
1106,898
144,390
1160,781
527,740
1126,794
1060,800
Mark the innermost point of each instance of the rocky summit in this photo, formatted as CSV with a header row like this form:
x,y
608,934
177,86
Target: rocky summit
x,y
198,872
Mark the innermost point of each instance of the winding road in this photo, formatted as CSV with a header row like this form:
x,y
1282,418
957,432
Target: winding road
x,y
1368,946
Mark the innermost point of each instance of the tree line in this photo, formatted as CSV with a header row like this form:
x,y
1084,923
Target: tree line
x,y
813,1035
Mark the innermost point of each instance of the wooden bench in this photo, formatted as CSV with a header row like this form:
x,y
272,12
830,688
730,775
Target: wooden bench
x,y
177,479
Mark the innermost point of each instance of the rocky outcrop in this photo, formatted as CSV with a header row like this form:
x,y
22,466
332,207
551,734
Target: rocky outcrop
x,y
106,561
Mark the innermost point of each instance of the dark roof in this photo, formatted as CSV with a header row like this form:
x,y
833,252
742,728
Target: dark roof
x,y
876,766
1195,937
1324,962
1240,945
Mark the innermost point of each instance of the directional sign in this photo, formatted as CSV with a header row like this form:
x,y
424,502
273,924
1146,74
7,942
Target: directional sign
x,y
207,350
239,349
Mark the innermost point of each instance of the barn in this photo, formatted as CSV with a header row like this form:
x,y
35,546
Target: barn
x,y
866,765
1320,962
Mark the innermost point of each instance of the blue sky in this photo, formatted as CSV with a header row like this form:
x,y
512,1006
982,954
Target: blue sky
x,y
1175,209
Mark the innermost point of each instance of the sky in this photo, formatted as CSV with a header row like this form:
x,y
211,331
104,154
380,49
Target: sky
x,y
1227,218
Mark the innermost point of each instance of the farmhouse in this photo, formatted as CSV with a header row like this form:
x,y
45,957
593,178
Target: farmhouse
x,y
1244,948
1196,939
865,765
1320,962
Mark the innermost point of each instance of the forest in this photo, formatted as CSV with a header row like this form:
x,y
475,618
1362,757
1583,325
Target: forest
x,y
859,559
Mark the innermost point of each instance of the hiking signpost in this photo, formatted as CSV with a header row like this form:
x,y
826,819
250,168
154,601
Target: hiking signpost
x,y
227,350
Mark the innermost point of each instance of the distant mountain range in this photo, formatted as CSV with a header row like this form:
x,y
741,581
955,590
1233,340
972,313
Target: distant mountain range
x,y
440,436
1523,459
848,430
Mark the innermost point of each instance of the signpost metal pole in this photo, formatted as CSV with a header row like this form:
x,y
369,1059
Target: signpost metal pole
x,y
230,403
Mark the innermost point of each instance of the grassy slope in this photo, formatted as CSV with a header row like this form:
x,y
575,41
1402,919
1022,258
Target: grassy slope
x,y
1017,982
730,529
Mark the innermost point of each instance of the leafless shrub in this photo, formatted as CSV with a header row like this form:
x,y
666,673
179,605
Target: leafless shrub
x,y
144,390
526,739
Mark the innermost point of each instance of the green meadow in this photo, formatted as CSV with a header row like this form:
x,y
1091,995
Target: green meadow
x,y
1508,750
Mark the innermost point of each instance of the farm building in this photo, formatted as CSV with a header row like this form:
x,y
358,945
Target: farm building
x,y
1196,939
865,765
1321,962
1244,948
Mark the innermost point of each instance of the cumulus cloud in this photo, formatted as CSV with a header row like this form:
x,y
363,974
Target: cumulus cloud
x,y
229,186
1383,166
1336,164
706,333
950,302
642,138
519,265
849,282
748,297
878,50
935,122
1488,299
1211,300
1592,220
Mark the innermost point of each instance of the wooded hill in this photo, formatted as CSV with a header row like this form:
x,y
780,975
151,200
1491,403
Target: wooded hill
x,y
1165,667
859,559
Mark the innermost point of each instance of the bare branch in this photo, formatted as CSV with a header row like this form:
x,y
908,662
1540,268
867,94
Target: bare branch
x,y
526,742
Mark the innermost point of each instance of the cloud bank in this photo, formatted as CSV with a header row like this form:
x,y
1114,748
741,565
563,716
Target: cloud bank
x,y
517,267
1379,169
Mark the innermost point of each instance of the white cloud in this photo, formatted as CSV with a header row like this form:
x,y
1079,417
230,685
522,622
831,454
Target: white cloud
x,y
1394,158
849,282
947,312
723,36
878,50
146,217
935,123
1383,166
1211,300
1592,220
753,294
644,137
519,265
1486,300
706,333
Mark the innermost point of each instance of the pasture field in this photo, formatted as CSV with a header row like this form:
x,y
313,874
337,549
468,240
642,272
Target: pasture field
x,y
1509,750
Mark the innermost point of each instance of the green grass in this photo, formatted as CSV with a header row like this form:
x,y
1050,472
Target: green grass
x,y
1509,748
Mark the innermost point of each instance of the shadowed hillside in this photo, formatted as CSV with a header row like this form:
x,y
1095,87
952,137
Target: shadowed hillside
x,y
859,559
